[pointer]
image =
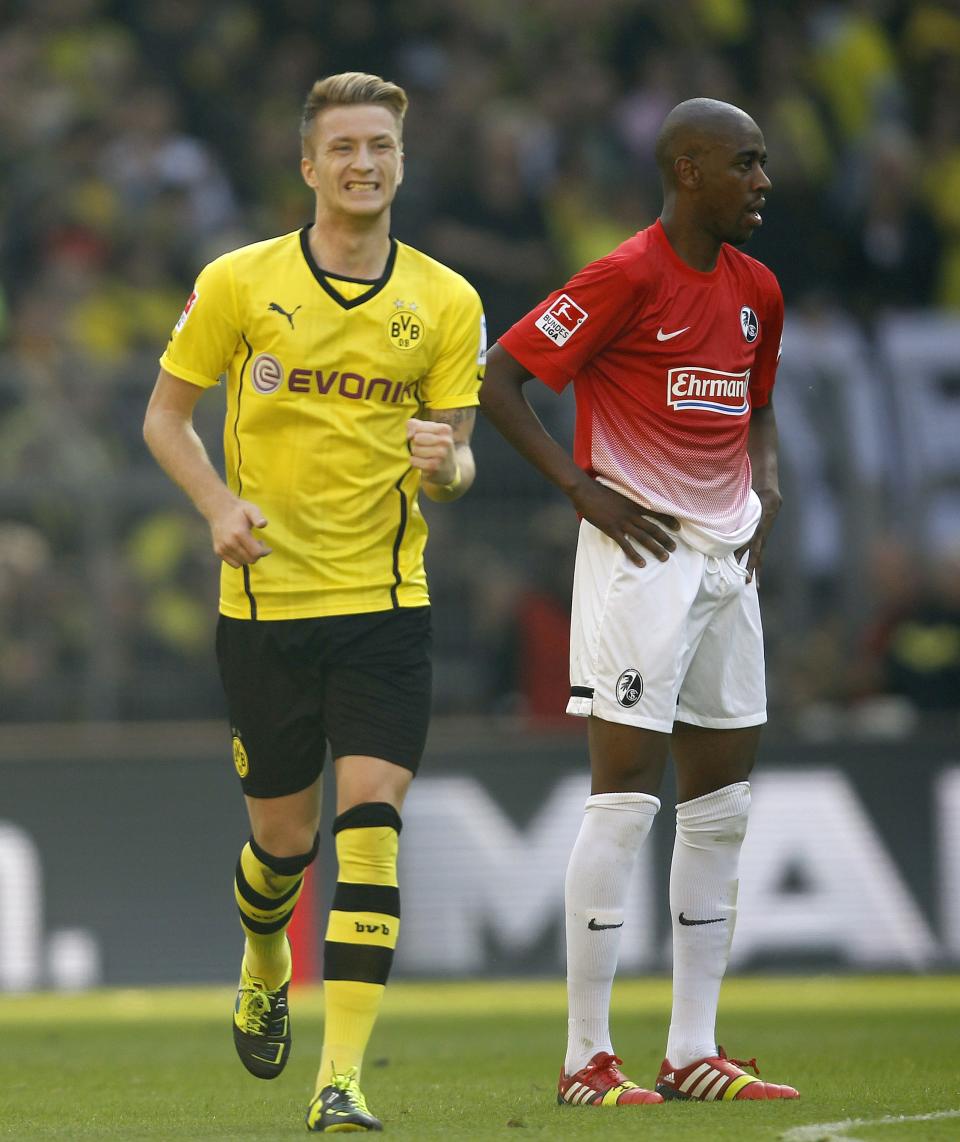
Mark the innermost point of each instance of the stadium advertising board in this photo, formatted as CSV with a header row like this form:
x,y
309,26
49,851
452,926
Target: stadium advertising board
x,y
852,862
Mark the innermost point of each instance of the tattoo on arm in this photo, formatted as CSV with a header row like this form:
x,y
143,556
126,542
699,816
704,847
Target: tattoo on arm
x,y
461,420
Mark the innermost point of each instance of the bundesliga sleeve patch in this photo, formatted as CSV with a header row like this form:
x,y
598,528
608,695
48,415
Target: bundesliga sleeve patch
x,y
186,312
561,319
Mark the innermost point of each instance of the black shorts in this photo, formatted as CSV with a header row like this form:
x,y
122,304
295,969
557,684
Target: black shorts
x,y
361,682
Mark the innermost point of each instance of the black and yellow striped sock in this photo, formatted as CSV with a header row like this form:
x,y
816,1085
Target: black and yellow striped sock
x,y
361,933
267,889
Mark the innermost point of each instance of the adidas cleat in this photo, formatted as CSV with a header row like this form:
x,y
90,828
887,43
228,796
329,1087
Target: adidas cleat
x,y
718,1079
340,1108
601,1083
261,1026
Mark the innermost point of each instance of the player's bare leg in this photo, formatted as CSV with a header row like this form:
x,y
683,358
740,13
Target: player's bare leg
x,y
625,758
706,760
362,779
286,825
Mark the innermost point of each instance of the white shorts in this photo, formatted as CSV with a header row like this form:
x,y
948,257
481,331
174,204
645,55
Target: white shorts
x,y
674,641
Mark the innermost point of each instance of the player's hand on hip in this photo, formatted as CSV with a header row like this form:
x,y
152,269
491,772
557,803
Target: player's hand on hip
x,y
626,522
432,449
232,532
770,505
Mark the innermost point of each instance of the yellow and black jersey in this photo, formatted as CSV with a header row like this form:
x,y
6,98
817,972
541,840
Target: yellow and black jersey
x,y
322,374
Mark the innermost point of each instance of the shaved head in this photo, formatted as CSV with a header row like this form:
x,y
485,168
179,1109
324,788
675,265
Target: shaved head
x,y
692,128
711,157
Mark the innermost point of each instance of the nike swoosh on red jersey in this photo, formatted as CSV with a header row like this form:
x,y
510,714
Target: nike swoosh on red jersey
x,y
661,336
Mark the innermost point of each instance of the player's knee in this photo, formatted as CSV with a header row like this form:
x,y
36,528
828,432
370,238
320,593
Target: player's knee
x,y
287,851
731,830
709,834
368,815
717,818
367,839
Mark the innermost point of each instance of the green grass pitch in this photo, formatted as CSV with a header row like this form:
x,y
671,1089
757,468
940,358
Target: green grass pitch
x,y
479,1061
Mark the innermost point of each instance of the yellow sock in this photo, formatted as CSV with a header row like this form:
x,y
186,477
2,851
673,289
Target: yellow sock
x,y
361,934
267,889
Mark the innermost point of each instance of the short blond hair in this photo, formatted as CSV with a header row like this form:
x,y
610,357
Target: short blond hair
x,y
351,88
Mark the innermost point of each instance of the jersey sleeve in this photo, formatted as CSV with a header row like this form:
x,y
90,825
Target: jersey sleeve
x,y
205,338
574,324
764,372
454,378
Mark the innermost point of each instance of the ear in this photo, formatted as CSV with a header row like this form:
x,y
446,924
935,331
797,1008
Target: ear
x,y
400,170
308,172
688,172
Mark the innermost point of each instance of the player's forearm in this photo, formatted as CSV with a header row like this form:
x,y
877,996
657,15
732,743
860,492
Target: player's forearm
x,y
466,473
762,447
179,451
504,404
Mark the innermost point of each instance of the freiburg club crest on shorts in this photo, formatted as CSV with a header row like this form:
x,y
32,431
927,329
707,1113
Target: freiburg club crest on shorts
x,y
629,687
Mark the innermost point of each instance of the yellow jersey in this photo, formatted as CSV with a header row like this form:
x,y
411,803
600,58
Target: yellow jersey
x,y
322,375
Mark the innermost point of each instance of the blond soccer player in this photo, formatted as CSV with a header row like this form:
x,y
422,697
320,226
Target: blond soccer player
x,y
352,364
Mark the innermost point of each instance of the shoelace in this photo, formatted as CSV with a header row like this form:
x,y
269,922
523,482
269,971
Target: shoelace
x,y
741,1063
610,1066
347,1083
254,1011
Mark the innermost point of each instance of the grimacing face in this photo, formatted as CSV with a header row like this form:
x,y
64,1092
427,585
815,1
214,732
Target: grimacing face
x,y
353,160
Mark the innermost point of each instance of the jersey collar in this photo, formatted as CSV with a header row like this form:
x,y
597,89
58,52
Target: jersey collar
x,y
323,276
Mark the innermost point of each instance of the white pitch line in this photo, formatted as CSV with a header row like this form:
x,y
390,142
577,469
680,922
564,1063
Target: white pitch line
x,y
837,1131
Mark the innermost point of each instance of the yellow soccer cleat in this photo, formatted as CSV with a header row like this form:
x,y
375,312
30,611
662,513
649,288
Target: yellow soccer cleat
x,y
340,1108
261,1026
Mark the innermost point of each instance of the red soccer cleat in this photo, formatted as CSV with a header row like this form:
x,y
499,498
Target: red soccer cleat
x,y
602,1083
717,1079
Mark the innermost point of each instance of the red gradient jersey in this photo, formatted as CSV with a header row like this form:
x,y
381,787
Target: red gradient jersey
x,y
667,364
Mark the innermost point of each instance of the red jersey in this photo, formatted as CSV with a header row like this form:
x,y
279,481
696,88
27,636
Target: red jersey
x,y
667,363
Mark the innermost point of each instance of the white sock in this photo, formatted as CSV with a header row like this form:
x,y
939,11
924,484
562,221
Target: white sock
x,y
703,890
614,827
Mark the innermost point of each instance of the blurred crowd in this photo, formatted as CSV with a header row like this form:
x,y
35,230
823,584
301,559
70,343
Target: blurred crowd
x,y
140,139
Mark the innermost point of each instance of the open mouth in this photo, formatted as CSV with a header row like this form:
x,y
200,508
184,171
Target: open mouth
x,y
362,186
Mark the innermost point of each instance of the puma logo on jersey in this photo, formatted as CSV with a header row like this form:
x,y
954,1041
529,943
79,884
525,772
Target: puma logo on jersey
x,y
275,308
